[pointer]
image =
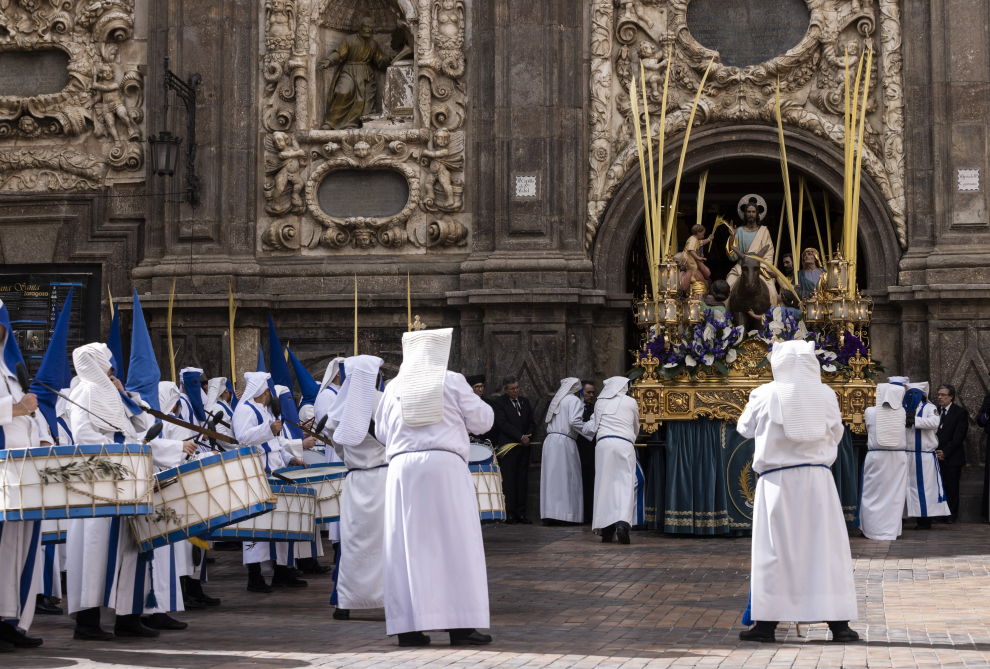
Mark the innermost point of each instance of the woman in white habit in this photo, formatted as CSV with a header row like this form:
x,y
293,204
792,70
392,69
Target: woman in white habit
x,y
561,490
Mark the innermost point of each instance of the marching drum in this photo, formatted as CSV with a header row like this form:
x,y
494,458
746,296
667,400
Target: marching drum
x,y
292,520
75,481
205,495
315,456
327,481
487,483
53,532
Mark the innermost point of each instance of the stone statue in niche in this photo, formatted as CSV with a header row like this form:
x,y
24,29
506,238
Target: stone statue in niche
x,y
284,161
353,88
446,156
109,106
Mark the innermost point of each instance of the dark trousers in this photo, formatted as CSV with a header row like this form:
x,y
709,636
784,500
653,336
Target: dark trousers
x,y
514,466
586,452
950,481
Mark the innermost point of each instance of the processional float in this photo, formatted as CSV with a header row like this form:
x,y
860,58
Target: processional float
x,y
691,361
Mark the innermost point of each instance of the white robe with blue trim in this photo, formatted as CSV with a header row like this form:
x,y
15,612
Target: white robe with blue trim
x,y
103,564
615,463
20,542
561,488
925,494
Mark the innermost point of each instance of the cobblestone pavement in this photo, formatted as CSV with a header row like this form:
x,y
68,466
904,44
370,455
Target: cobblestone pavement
x,y
560,598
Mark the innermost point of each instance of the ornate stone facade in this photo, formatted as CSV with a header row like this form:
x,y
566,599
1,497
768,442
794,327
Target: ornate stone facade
x,y
810,75
416,127
89,134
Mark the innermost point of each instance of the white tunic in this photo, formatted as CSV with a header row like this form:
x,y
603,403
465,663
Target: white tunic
x,y
435,573
20,542
615,463
561,490
322,406
925,494
103,565
885,485
362,526
801,563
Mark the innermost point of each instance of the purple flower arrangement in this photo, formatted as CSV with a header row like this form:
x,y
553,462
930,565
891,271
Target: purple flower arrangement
x,y
850,346
708,344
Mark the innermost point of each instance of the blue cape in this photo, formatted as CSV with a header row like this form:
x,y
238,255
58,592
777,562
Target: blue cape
x,y
194,392
143,374
307,384
52,370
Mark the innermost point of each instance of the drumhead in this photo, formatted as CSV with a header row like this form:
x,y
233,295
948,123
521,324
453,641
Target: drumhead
x,y
314,457
480,454
313,472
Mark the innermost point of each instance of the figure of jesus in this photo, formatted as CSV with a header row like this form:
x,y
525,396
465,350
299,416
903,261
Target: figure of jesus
x,y
749,239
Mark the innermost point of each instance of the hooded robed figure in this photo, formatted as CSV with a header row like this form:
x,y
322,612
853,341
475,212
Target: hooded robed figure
x,y
326,395
362,499
561,489
925,493
801,564
435,575
104,566
615,424
885,471
20,542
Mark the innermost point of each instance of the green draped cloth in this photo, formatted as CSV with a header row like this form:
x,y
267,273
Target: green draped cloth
x,y
709,482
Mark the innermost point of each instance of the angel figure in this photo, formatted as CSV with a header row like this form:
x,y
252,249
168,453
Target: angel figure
x,y
446,156
652,65
109,106
284,161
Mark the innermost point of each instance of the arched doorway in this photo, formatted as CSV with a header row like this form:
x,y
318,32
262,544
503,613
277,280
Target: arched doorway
x,y
723,150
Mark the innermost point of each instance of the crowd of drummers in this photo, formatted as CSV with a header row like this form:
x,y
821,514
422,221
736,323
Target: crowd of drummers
x,y
407,538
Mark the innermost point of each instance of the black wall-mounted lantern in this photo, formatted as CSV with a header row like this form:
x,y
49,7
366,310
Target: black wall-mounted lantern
x,y
165,146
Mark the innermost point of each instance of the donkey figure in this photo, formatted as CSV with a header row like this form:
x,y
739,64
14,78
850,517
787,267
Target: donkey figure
x,y
750,293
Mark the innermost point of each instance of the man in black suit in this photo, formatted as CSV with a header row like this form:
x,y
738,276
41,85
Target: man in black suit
x,y
477,383
514,419
586,451
951,453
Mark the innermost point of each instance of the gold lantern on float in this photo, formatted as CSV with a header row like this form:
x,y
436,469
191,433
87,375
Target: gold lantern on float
x,y
645,310
670,277
838,273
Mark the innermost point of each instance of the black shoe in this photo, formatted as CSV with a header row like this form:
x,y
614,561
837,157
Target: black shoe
x,y
87,633
256,583
44,605
210,560
550,522
607,534
341,614
845,635
193,603
754,634
313,567
6,647
622,532
19,639
284,578
950,521
510,520
523,520
469,637
163,621
293,571
412,639
131,626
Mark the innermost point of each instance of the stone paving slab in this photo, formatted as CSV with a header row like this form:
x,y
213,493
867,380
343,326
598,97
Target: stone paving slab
x,y
560,599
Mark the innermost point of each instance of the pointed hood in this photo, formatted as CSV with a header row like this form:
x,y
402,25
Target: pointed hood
x,y
52,370
143,373
105,403
307,384
193,387
255,384
289,412
11,353
799,405
280,368
233,395
168,396
263,368
113,343
216,385
356,401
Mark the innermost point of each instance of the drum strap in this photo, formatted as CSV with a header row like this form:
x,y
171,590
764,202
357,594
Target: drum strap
x,y
366,469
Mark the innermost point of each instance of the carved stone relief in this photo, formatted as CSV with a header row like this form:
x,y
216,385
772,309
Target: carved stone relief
x,y
627,33
100,109
404,113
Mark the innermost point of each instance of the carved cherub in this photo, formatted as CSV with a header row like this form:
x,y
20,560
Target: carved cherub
x,y
447,155
652,65
284,161
109,106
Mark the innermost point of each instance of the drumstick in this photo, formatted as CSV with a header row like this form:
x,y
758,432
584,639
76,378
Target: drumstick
x,y
284,478
47,387
23,379
195,428
308,433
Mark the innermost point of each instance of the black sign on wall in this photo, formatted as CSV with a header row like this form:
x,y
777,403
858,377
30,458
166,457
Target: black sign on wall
x,y
35,296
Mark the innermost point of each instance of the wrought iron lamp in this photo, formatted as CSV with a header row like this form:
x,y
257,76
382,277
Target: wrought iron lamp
x,y
165,146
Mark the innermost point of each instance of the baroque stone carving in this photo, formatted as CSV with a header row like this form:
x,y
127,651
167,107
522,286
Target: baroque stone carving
x,y
103,99
626,33
419,134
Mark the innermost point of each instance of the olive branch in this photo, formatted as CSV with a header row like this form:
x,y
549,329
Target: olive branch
x,y
165,513
92,469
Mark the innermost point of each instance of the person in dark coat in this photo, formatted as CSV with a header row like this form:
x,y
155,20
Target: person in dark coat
x,y
951,453
983,420
477,383
514,419
586,451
